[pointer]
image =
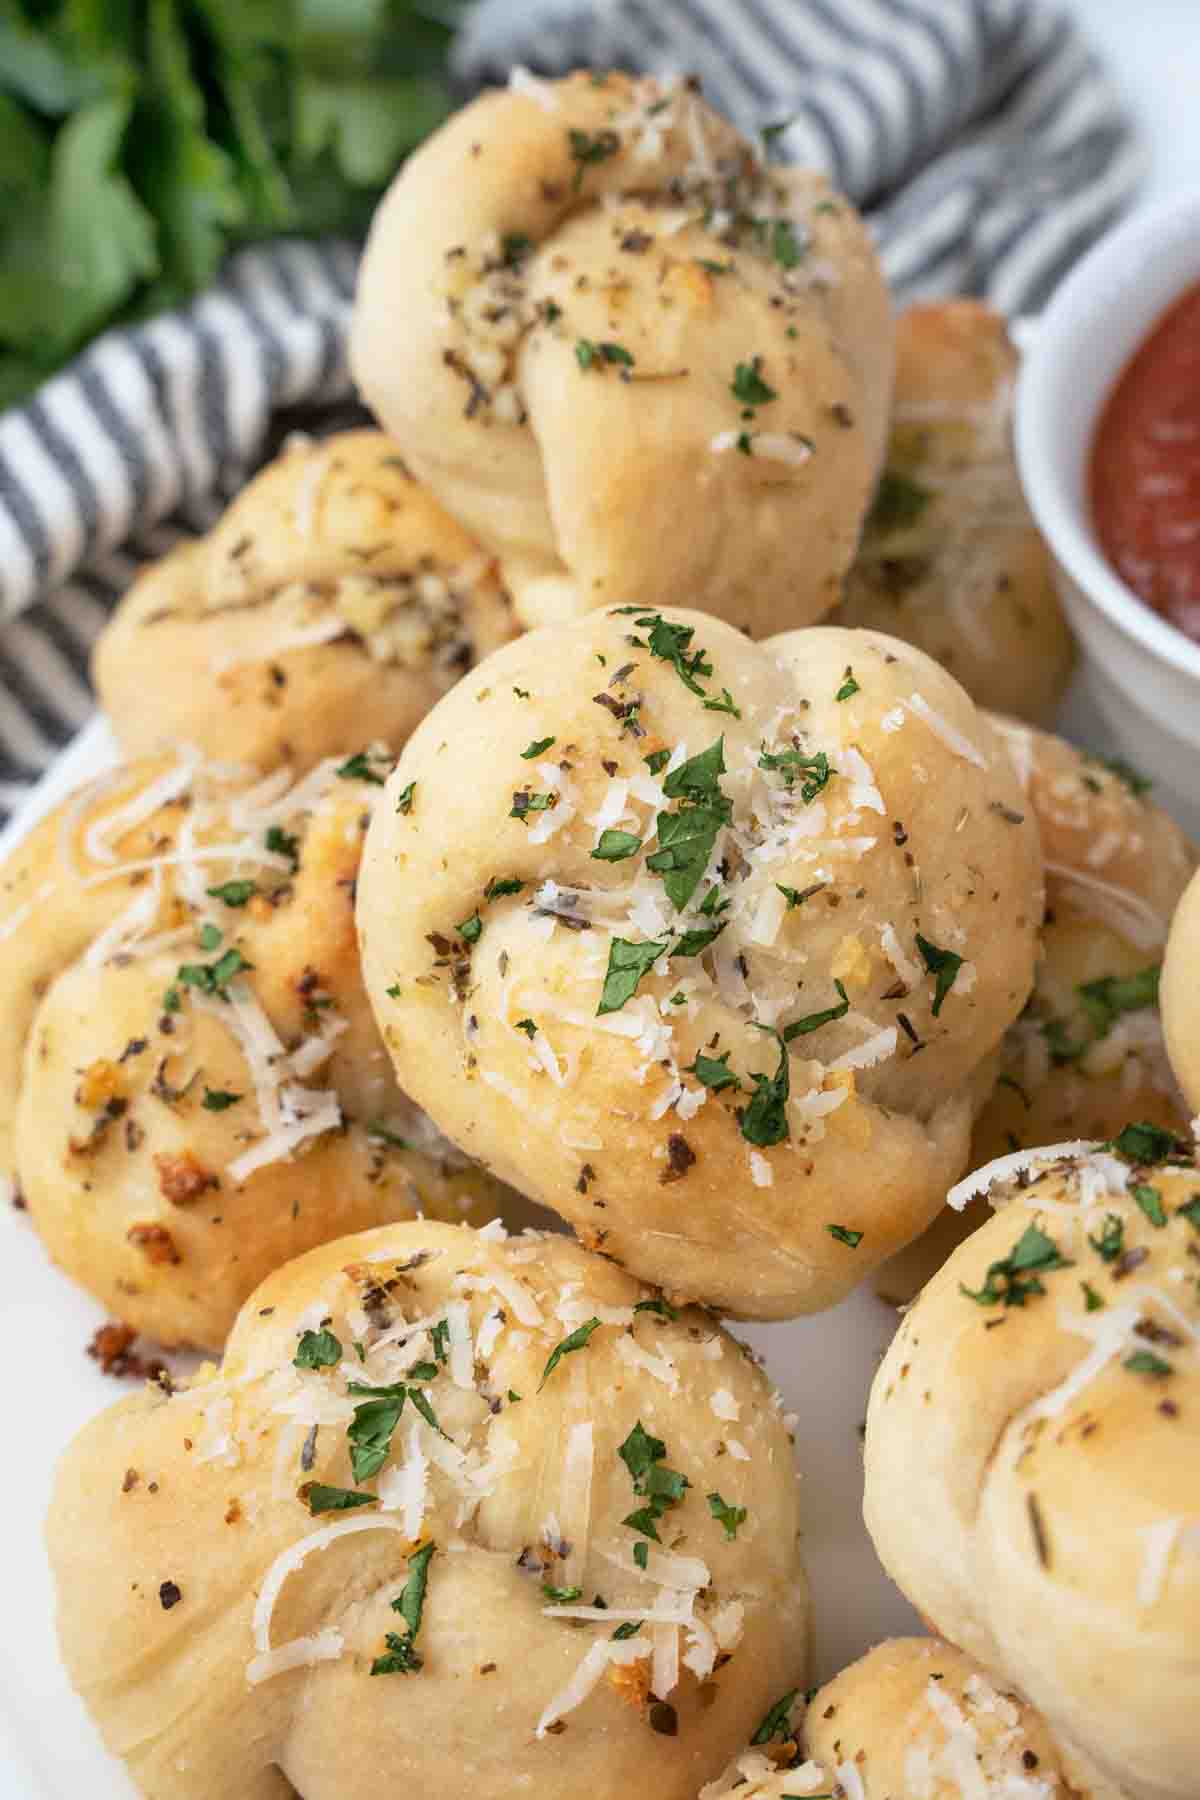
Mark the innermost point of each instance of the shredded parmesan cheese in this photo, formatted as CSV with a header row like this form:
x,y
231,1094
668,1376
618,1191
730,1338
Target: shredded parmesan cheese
x,y
948,734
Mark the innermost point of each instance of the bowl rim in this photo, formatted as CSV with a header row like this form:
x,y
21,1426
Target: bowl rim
x,y
1103,270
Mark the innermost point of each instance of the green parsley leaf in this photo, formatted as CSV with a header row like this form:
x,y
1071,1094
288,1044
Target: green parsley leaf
x,y
657,760
536,748
797,896
1145,1362
322,1499
525,803
712,903
1092,1301
358,768
631,1627
723,705
641,1554
171,1000
786,248
1106,999
233,893
1150,1201
527,1026
686,839
210,937
424,1406
899,502
283,843
671,643
578,1340
691,943
845,1236
640,1452
748,385
1137,783
615,846
440,1334
587,147
1013,1279
714,268
404,799
714,1072
662,1307
660,1486
730,1516
379,1130
496,888
213,978
471,929
1111,1241
1146,1143
814,1021
791,764
410,1604
764,1120
944,964
1190,1211
849,685
777,1723
627,963
219,1099
370,1433
561,1596
318,1350
514,247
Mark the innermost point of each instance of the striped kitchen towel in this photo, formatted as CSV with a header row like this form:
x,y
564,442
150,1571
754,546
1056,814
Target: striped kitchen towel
x,y
980,136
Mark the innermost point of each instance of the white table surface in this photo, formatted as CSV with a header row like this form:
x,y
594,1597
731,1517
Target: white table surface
x,y
47,1750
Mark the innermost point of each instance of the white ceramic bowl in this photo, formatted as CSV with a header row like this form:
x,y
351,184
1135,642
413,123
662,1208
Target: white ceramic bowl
x,y
1141,675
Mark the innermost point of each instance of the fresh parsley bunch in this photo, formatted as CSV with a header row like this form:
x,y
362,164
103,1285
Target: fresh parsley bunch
x,y
141,139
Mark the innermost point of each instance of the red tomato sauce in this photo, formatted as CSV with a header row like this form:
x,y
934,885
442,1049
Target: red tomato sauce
x,y
1145,468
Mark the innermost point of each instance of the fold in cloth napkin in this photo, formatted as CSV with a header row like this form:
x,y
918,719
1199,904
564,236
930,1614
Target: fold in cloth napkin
x,y
981,137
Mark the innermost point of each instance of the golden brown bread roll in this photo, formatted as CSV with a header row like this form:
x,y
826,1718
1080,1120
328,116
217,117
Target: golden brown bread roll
x,y
1087,1054
633,361
194,1086
914,1719
1032,1463
950,559
703,940
330,606
1181,994
583,1501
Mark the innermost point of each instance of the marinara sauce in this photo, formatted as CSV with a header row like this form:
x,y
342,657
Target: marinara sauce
x,y
1145,468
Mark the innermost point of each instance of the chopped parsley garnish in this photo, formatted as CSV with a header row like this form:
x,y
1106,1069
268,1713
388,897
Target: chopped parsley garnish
x,y
786,247
1106,999
777,1723
496,888
792,764
1137,783
219,1099
845,1236
715,268
318,1350
662,1307
1150,1201
899,502
471,929
404,799
578,1340
590,355
528,1026
748,385
631,1627
322,1499
171,1000
691,943
210,937
657,760
627,963
213,978
283,843
1111,1241
561,1596
233,893
686,837
673,644
814,1021
714,1072
615,846
724,705
536,748
797,896
1190,1210
713,904
402,1658
383,1134
730,1516
944,965
370,1432
641,1554
590,147
358,768
849,685
1145,1362
1093,1302
764,1120
1146,1143
514,246
440,1334
653,1481
525,803
1015,1277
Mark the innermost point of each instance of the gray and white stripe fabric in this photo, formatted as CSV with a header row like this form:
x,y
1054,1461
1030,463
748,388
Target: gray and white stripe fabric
x,y
980,136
